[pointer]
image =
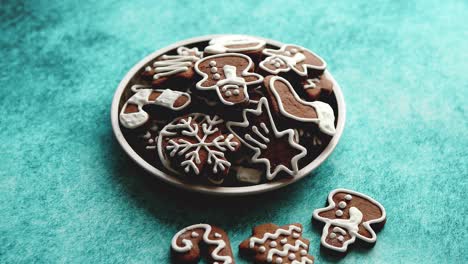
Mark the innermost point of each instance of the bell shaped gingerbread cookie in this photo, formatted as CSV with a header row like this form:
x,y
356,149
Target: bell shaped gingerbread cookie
x,y
348,216
270,243
228,76
285,101
185,245
292,58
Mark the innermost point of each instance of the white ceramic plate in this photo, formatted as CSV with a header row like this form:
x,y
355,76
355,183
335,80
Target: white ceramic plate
x,y
226,191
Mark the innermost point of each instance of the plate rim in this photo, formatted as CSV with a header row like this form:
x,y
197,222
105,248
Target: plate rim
x,y
216,190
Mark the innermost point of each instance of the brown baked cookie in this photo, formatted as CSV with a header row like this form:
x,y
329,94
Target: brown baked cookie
x,y
292,58
197,144
277,150
228,76
247,45
273,244
173,71
287,103
132,114
185,245
348,216
317,87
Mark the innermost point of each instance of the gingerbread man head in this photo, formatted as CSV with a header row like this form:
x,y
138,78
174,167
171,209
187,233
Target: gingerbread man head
x,y
348,216
229,75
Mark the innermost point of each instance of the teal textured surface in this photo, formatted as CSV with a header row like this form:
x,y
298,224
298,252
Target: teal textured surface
x,y
69,194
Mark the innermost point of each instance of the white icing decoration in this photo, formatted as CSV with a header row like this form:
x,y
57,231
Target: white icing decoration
x,y
248,175
332,235
217,235
303,252
311,83
215,148
187,244
279,260
235,92
273,244
341,238
172,64
212,63
342,205
141,98
351,225
257,146
325,116
290,61
216,76
340,230
339,213
286,249
262,249
221,44
232,81
292,256
273,236
194,234
296,235
348,197
284,241
214,69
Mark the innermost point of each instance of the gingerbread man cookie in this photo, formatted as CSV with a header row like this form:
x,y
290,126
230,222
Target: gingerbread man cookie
x,y
292,58
285,101
348,216
197,144
186,244
277,150
228,75
173,71
273,244
132,114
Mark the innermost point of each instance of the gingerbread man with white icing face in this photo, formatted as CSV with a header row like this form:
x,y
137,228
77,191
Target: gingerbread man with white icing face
x,y
292,58
228,76
348,216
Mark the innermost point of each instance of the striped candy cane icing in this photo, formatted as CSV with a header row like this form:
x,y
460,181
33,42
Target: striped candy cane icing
x,y
188,245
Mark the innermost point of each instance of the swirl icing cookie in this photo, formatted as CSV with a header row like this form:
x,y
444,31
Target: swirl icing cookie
x,y
270,243
228,111
349,216
186,245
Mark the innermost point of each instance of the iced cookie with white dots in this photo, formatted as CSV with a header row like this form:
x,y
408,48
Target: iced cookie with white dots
x,y
348,216
270,243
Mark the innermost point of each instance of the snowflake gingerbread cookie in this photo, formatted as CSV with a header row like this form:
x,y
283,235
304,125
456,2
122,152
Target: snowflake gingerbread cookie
x,y
228,76
273,244
348,216
292,58
278,150
186,244
197,144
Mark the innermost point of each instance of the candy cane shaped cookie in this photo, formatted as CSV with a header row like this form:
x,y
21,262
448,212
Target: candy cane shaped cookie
x,y
186,244
132,114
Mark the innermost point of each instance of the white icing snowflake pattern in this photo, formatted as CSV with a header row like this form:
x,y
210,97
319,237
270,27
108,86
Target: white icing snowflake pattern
x,y
193,134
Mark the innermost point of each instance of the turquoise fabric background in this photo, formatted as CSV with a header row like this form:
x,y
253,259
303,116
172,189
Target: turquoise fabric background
x,y
69,194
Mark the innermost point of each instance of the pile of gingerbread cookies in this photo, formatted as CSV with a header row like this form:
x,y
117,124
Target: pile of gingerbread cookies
x,y
231,111
349,216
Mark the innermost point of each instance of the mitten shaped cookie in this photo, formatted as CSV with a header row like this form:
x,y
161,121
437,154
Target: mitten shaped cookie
x,y
287,103
273,244
187,242
348,216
